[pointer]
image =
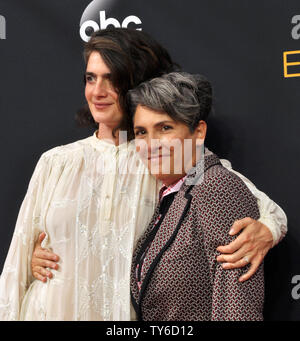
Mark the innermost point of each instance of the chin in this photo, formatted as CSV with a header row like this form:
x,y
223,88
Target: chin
x,y
100,119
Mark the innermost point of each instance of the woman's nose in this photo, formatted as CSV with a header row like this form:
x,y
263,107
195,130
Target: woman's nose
x,y
148,146
153,144
100,89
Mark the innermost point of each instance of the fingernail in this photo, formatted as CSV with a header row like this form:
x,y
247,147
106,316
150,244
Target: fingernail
x,y
225,266
231,232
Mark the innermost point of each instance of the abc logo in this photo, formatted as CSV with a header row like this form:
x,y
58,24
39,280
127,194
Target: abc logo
x,y
92,26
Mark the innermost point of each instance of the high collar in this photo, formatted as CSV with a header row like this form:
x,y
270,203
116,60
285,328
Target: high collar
x,y
105,144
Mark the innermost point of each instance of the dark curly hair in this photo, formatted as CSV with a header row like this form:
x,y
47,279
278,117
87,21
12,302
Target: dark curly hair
x,y
132,57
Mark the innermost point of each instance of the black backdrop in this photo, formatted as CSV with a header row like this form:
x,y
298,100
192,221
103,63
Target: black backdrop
x,y
238,45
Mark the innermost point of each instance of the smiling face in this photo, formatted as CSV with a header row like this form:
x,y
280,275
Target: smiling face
x,y
167,147
102,98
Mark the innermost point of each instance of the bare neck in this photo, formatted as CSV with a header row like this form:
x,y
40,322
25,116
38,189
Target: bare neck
x,y
106,133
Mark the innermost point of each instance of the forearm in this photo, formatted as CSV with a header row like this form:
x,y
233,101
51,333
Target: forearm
x,y
273,217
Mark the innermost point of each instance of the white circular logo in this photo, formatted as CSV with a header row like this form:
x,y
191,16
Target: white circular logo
x,y
96,17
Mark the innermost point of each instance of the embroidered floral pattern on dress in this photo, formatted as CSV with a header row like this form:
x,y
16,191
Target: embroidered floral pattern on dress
x,y
93,212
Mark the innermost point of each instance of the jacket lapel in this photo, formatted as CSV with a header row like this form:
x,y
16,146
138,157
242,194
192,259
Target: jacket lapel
x,y
166,231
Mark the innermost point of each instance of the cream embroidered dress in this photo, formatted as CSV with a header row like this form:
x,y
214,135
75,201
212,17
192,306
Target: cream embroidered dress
x,y
93,211
93,200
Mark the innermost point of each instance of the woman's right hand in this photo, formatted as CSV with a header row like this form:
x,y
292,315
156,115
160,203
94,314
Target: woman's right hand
x,y
43,259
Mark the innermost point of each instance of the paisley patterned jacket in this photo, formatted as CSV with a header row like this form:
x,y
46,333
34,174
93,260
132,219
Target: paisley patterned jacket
x,y
181,278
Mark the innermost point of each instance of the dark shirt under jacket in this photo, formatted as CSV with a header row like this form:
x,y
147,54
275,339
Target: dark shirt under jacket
x,y
181,279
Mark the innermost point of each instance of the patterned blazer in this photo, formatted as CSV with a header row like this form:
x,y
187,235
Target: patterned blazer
x,y
181,278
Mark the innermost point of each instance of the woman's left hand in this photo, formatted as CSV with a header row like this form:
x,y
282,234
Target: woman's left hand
x,y
251,246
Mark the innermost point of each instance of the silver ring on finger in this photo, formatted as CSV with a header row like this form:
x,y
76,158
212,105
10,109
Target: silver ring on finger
x,y
246,259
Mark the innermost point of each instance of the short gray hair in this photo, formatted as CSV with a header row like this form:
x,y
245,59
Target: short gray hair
x,y
184,97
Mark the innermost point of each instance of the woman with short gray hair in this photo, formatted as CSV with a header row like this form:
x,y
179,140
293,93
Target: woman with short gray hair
x,y
175,274
187,98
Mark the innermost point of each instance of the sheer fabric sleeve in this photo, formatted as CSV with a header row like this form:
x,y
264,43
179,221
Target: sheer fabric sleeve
x,y
16,275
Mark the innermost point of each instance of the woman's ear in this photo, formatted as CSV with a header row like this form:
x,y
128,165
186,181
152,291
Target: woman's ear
x,y
200,131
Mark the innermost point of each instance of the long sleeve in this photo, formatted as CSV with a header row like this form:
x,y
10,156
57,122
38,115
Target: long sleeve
x,y
16,275
228,199
271,214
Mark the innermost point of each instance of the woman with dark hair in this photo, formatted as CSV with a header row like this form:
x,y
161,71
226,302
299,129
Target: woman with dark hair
x,y
132,57
90,200
175,274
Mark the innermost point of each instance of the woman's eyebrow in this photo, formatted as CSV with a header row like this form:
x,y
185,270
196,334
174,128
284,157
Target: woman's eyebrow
x,y
155,125
105,75
162,122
